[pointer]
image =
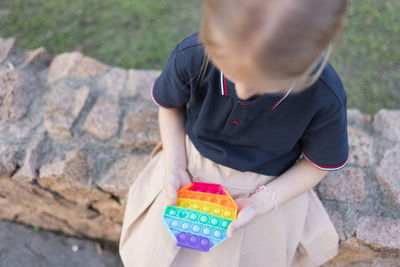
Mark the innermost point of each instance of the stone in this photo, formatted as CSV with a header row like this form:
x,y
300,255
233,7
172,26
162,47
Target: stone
x,y
37,56
72,166
140,129
346,184
9,211
388,172
68,177
122,174
111,208
351,251
387,123
74,65
100,227
34,205
63,108
61,65
380,232
140,83
7,159
361,147
28,171
37,199
23,128
103,119
87,67
14,95
337,220
114,80
356,117
47,221
6,47
30,216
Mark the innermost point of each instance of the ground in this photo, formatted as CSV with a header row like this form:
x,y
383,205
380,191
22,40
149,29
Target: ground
x,y
26,246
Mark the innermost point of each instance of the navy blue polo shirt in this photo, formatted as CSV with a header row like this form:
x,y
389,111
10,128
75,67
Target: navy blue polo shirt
x,y
264,135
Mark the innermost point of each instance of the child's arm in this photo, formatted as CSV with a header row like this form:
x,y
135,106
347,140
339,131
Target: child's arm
x,y
171,122
298,179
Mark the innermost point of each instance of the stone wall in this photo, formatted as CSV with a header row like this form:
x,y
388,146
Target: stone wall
x,y
75,133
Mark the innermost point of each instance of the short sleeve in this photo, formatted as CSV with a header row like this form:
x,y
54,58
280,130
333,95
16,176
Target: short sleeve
x,y
325,143
169,89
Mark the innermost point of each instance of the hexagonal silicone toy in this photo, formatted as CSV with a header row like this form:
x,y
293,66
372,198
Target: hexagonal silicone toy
x,y
200,217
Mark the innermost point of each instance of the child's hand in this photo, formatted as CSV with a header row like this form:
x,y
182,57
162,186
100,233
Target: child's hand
x,y
247,212
174,180
250,207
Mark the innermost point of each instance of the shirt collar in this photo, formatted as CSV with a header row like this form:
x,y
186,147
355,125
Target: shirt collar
x,y
265,101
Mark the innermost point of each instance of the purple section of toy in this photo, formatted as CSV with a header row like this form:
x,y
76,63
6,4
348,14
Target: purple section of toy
x,y
192,241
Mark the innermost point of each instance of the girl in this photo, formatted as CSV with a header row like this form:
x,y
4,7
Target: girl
x,y
251,103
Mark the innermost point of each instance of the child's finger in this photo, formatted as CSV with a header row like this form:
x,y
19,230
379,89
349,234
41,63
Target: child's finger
x,y
245,215
165,195
185,179
170,189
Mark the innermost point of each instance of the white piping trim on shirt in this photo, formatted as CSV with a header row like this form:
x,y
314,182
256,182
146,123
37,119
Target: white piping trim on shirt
x,y
287,93
222,84
327,168
152,96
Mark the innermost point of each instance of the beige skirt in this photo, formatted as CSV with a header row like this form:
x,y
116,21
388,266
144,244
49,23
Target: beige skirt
x,y
298,233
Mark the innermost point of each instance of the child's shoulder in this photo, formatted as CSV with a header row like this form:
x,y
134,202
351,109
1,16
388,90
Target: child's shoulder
x,y
189,53
331,82
190,42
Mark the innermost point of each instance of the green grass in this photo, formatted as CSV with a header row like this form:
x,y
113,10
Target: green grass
x,y
127,33
368,58
142,33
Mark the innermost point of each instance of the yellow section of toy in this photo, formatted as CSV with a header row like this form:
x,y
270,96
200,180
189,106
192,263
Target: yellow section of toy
x,y
223,200
207,206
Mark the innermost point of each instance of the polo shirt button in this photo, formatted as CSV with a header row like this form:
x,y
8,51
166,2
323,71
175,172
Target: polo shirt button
x,y
235,121
243,104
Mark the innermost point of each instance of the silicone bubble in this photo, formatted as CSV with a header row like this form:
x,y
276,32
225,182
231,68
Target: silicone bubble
x,y
200,217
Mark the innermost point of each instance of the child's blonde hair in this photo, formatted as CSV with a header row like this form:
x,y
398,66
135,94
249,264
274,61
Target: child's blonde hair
x,y
286,37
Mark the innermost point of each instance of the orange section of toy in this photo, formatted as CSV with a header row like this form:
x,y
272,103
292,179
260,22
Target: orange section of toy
x,y
221,199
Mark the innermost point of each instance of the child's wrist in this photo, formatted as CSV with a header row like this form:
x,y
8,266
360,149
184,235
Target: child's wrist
x,y
175,165
176,170
264,200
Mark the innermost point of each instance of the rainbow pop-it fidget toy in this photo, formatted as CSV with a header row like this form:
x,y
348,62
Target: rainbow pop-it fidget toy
x,y
201,215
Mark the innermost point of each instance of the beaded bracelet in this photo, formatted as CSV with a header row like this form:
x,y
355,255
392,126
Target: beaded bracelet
x,y
263,187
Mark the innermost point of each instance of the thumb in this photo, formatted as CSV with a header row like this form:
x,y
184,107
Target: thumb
x,y
245,215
